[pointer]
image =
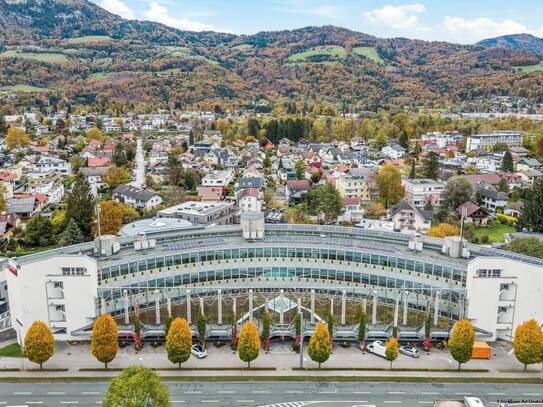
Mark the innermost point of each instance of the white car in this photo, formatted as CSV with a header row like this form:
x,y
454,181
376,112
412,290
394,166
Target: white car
x,y
198,351
377,348
410,351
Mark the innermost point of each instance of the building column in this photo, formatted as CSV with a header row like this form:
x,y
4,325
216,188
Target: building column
x,y
281,315
126,316
169,307
234,309
251,305
396,309
299,301
365,306
202,311
374,309
157,307
405,305
219,307
343,306
332,307
102,306
189,311
312,306
436,309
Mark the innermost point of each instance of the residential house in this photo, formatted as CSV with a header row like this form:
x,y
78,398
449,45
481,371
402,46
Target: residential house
x,y
137,197
491,198
394,151
201,212
360,183
423,191
295,189
410,218
473,213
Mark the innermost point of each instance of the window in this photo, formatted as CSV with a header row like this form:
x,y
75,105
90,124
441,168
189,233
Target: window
x,y
484,273
74,271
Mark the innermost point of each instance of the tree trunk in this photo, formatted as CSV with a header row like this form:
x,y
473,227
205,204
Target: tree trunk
x,y
391,365
319,365
105,364
459,365
248,364
179,365
41,366
525,367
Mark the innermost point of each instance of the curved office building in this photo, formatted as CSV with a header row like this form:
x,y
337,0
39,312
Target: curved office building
x,y
68,287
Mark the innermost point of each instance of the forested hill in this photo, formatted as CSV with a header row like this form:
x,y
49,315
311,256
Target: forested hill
x,y
523,42
76,48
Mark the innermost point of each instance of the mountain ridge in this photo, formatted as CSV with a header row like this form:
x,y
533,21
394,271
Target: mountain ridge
x,y
524,42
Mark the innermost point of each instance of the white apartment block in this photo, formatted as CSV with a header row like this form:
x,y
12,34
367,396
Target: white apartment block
x,y
421,191
359,184
487,141
218,178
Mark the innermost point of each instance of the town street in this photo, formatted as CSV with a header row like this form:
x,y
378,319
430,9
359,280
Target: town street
x,y
139,171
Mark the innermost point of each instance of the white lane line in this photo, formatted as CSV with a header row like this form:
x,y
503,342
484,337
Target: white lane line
x,y
396,392
496,394
327,392
462,394
226,391
193,392
260,391
531,394
429,393
69,402
294,391
361,392
209,401
245,401
56,392
392,401
90,393
22,393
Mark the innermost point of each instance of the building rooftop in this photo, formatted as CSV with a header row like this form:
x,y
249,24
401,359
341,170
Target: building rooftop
x,y
196,207
153,225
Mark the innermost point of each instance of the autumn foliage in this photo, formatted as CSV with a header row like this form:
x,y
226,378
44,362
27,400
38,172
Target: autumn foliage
x,y
249,342
528,343
443,230
104,339
39,343
461,341
179,341
320,345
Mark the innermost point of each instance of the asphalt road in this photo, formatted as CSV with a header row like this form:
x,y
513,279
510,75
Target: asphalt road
x,y
139,171
278,394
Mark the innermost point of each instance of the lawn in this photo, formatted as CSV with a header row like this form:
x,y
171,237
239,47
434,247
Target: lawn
x,y
370,53
333,51
50,57
89,39
495,232
11,351
24,88
529,68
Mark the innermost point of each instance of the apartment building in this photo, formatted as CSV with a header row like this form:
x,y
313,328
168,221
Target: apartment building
x,y
487,141
421,191
360,183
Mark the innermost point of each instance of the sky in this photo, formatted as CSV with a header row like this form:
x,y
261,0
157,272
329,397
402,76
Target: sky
x,y
461,21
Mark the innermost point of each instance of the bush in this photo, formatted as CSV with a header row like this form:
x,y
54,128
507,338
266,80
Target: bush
x,y
484,239
475,240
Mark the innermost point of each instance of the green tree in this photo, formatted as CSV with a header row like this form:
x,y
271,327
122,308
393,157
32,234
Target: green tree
x,y
38,231
248,343
530,246
137,386
502,185
461,341
389,184
362,325
95,134
174,170
202,326
265,336
119,155
116,176
330,324
80,205
320,344
531,218
391,350
104,339
528,343
179,341
430,166
71,234
324,200
507,162
39,343
457,191
300,169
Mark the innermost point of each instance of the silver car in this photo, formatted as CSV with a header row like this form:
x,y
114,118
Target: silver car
x,y
198,351
410,351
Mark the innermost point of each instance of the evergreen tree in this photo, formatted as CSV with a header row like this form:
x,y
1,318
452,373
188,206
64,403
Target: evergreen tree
x,y
413,171
430,166
119,155
507,162
71,234
202,327
38,231
531,217
80,205
362,325
266,330
502,186
39,343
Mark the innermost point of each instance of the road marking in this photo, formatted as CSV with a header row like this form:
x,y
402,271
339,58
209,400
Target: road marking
x,y
392,401
429,393
245,401
56,392
89,393
69,402
328,392
361,392
531,394
226,391
193,392
497,394
294,391
260,391
209,401
462,394
22,393
396,392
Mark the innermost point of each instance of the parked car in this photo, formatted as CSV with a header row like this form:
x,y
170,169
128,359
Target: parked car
x,y
377,348
198,351
410,351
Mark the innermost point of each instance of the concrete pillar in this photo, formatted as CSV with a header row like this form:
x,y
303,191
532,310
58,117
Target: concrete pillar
x,y
219,307
332,306
251,305
405,305
299,301
365,305
126,316
343,306
234,311
436,309
102,306
374,309
396,309
312,306
281,316
189,311
157,307
169,306
202,311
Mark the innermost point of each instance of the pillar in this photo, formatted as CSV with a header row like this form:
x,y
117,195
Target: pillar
x,y
374,309
343,306
234,311
157,307
299,301
202,311
405,305
436,308
365,305
219,307
281,316
102,306
396,309
189,311
332,306
126,316
251,305
312,306
169,306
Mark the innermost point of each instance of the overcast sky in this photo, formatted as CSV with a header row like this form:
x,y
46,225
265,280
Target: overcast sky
x,y
463,21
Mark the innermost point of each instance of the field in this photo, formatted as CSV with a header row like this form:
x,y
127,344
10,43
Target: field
x,y
23,88
370,53
332,51
89,39
50,57
242,47
11,351
529,68
494,232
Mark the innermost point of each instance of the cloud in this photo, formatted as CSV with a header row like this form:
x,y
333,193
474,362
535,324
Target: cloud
x,y
476,29
117,7
160,14
398,17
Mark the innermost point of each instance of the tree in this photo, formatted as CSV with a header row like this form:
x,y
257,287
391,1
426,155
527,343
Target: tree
x,y
119,155
443,230
413,170
39,343
528,343
80,205
3,196
136,386
330,325
38,231
179,341
530,246
116,176
507,162
324,200
95,134
374,210
16,137
71,234
266,330
111,217
531,217
430,166
502,185
392,351
389,184
104,339
461,341
457,191
320,344
300,169
202,325
175,170
362,325
248,343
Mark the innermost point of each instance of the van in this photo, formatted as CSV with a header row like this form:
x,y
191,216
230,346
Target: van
x,y
377,348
